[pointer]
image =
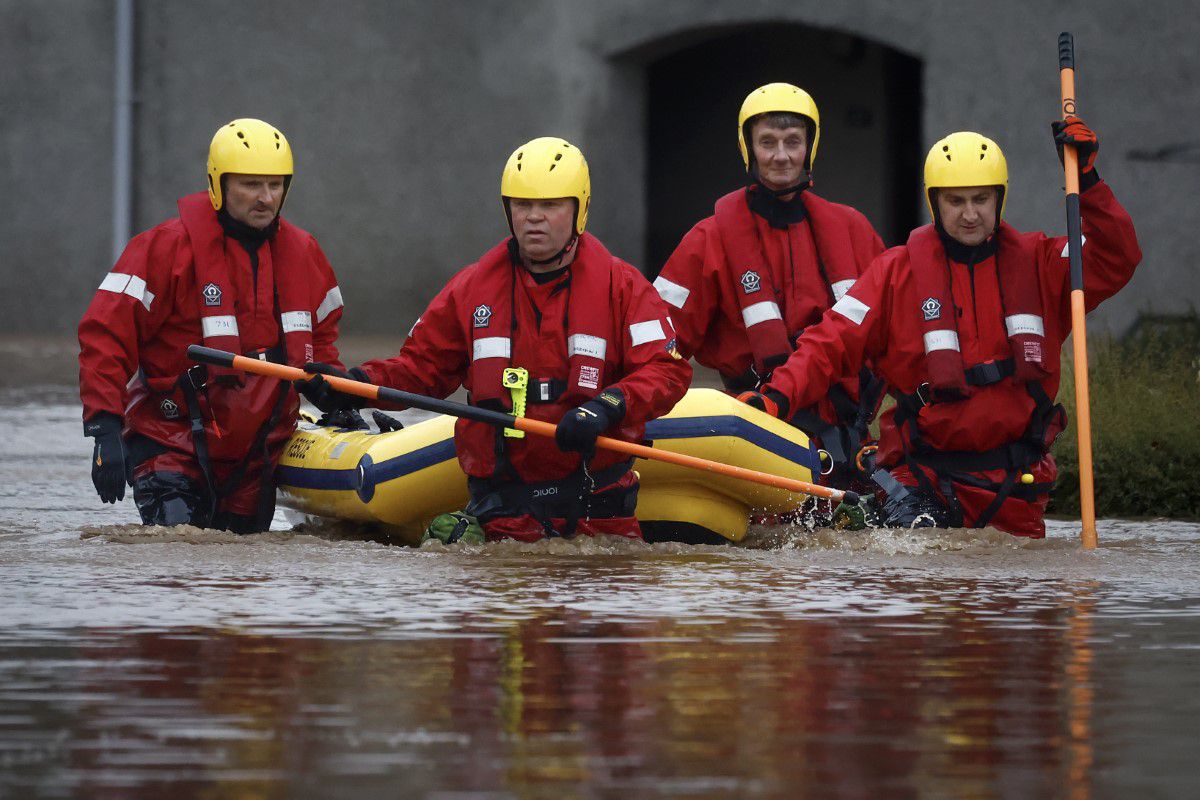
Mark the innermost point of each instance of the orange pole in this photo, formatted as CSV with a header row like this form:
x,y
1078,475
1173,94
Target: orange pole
x,y
372,392
1083,407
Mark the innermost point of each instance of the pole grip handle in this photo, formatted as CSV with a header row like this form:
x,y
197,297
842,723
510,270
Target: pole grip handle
x,y
1066,51
209,355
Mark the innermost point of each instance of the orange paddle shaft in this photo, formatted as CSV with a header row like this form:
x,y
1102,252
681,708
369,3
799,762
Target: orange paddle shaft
x,y
370,391
1083,408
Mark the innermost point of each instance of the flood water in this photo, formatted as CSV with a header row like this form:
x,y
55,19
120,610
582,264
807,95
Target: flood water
x,y
147,663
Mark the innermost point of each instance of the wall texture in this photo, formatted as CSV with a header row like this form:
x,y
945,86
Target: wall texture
x,y
402,113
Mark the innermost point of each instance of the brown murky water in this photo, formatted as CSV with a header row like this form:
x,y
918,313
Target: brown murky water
x,y
143,663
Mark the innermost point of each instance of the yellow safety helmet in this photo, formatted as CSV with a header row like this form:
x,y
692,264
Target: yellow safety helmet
x,y
545,168
965,159
247,147
779,97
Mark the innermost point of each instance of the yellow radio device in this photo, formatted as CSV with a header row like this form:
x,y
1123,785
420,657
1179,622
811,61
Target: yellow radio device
x,y
516,380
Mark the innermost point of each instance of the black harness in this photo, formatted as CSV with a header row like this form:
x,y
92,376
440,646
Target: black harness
x,y
955,466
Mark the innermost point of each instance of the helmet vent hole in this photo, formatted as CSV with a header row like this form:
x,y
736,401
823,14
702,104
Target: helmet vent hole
x,y
552,166
246,145
241,135
518,165
983,147
558,157
981,155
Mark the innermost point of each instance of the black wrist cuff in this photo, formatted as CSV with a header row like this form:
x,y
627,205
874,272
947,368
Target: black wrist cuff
x,y
611,402
1088,179
357,374
102,424
780,401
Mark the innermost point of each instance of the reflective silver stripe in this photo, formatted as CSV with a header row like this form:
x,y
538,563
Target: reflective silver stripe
x,y
761,312
841,287
132,285
293,321
492,347
414,326
642,332
219,326
115,282
1066,251
1024,323
581,344
671,292
940,340
138,291
331,303
852,309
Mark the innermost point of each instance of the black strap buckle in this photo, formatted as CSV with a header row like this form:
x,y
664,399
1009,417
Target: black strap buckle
x,y
545,390
197,377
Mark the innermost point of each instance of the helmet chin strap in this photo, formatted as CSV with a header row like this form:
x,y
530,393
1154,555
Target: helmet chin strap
x,y
557,257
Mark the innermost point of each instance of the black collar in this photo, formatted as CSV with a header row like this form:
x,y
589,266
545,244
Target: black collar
x,y
778,213
965,254
540,278
247,236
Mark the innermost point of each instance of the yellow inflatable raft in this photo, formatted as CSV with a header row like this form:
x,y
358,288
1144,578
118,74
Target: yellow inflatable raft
x,y
402,479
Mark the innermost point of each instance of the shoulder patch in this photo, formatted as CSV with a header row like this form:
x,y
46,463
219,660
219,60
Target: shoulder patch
x,y
931,309
751,282
212,294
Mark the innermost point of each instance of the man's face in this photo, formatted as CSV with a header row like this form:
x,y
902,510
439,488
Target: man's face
x,y
253,199
779,154
968,214
542,227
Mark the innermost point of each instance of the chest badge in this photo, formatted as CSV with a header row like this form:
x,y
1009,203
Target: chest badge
x,y
483,315
212,294
751,282
169,408
931,308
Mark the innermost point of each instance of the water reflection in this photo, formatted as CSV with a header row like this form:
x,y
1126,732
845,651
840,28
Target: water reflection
x,y
983,700
143,663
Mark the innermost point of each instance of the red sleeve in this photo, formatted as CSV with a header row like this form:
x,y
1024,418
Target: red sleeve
x,y
691,287
847,335
128,308
434,357
329,310
655,376
1110,253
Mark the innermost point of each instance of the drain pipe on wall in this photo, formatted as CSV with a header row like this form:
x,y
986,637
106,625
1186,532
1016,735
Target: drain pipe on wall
x,y
122,199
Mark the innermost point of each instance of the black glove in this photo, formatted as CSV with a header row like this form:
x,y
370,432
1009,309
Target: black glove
x,y
579,427
325,397
108,457
768,401
1074,131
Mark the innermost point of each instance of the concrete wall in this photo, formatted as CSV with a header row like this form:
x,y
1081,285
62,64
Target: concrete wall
x,y
402,113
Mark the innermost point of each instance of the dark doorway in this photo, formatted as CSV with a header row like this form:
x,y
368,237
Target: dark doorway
x,y
869,97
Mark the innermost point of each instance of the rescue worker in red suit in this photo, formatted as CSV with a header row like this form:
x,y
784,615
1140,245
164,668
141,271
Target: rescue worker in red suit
x,y
745,282
585,334
199,444
966,322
